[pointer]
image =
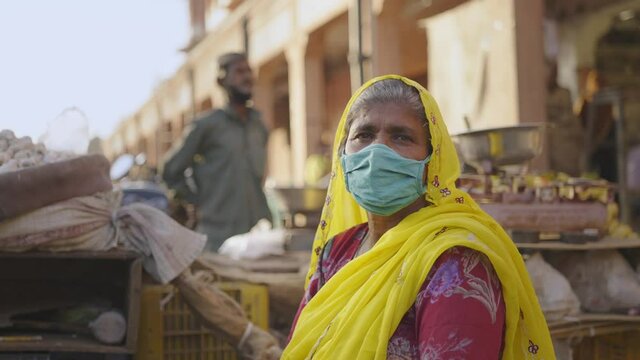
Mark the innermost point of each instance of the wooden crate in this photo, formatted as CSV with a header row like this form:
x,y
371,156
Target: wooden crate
x,y
31,282
618,346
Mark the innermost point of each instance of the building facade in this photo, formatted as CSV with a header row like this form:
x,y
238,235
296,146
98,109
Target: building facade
x,y
483,60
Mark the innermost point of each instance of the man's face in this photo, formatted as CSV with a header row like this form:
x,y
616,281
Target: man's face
x,y
239,79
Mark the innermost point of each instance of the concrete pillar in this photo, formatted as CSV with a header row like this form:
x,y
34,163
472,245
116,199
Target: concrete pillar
x,y
263,101
361,41
151,150
295,55
529,36
530,66
263,94
315,93
387,58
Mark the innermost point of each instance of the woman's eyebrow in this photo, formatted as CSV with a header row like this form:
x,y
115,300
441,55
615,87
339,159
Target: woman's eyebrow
x,y
400,129
366,127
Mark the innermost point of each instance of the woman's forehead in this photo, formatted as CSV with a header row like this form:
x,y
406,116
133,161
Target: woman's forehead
x,y
388,115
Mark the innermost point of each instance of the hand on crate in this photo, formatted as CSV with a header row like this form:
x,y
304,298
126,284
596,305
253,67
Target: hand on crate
x,y
259,345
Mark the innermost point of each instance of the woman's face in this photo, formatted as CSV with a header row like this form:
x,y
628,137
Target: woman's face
x,y
393,125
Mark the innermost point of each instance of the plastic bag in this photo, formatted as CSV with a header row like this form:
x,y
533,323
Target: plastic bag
x,y
602,279
556,297
261,241
633,168
68,132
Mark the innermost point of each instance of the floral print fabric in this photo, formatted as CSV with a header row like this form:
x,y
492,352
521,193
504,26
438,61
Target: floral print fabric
x,y
459,312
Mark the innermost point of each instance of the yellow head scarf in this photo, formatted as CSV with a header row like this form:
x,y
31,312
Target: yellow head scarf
x,y
355,313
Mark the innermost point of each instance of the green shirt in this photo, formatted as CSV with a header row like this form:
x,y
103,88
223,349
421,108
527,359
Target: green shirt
x,y
228,156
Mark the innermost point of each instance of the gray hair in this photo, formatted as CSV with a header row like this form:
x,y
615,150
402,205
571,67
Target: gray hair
x,y
388,91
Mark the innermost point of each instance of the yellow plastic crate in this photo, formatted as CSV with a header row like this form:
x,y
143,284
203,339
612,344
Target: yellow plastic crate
x,y
169,331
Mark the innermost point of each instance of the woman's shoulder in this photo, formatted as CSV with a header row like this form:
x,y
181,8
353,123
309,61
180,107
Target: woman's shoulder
x,y
465,261
466,254
463,272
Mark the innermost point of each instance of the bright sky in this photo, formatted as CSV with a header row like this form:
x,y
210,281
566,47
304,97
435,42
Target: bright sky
x,y
104,57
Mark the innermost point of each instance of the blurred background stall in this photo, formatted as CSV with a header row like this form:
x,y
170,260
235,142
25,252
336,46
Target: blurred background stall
x,y
544,95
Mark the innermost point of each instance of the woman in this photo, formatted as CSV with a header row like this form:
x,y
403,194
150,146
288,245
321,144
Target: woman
x,y
405,265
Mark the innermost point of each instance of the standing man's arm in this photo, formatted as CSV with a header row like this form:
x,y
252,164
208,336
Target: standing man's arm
x,y
181,157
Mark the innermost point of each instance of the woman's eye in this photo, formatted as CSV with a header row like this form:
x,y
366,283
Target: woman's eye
x,y
363,136
403,138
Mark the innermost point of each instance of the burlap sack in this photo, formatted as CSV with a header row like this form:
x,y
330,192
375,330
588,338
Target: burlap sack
x,y
81,223
98,223
30,189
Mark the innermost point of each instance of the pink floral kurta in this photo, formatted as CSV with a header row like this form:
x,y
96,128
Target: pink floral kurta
x,y
458,313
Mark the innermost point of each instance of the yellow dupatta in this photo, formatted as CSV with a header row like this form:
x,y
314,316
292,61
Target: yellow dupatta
x,y
355,313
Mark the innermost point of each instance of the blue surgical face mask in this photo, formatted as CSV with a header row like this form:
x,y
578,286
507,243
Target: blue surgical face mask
x,y
381,180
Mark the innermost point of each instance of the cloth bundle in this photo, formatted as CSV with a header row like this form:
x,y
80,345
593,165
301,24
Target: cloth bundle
x,y
98,223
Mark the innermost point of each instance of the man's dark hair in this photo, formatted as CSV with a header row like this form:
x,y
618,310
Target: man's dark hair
x,y
226,60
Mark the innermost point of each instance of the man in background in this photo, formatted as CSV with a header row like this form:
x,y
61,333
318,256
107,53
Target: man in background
x,y
226,149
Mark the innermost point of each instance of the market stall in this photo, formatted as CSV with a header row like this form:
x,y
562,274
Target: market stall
x,y
569,232
75,257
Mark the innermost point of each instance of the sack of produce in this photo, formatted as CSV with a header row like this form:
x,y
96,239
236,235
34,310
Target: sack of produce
x,y
80,223
32,177
555,295
99,223
603,280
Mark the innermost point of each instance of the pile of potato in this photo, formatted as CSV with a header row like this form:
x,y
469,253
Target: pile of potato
x,y
20,153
